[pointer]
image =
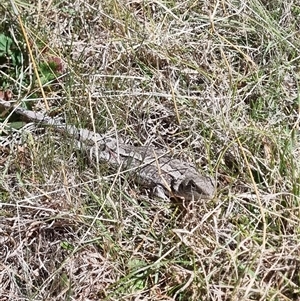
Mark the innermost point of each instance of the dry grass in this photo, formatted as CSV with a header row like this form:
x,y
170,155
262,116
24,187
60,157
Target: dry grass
x,y
217,81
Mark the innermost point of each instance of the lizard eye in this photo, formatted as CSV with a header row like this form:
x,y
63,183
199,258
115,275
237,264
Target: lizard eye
x,y
191,185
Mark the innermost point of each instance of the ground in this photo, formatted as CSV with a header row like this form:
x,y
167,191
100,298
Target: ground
x,y
215,82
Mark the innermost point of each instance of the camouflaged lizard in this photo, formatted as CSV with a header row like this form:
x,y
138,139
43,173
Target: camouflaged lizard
x,y
152,168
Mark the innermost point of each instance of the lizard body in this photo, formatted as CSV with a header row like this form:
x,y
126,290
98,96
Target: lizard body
x,y
152,168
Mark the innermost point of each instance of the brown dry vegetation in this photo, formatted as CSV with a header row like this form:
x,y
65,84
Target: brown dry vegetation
x,y
216,81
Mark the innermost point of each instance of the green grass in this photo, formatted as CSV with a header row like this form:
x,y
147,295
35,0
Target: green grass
x,y
215,81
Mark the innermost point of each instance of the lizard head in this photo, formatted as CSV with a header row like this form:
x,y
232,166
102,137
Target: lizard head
x,y
196,188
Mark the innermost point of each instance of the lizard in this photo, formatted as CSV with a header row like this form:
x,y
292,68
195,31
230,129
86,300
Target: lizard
x,y
151,167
